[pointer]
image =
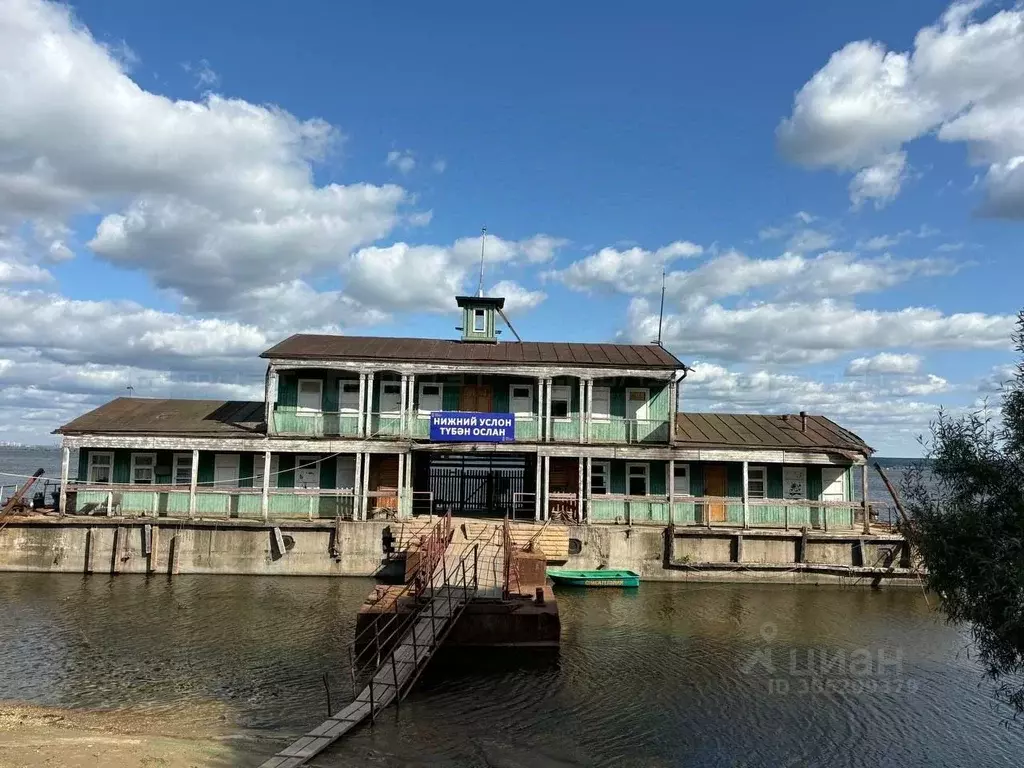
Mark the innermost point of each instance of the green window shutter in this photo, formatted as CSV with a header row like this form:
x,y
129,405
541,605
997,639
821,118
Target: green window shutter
x,y
288,390
205,473
245,469
450,397
814,483
775,481
286,478
618,479
329,472
122,466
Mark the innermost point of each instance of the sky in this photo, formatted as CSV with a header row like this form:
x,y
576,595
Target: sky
x,y
834,191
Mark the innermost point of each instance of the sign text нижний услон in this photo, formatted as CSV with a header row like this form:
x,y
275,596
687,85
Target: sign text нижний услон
x,y
460,426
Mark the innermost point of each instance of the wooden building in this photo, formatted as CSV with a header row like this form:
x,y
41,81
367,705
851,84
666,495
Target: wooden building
x,y
367,427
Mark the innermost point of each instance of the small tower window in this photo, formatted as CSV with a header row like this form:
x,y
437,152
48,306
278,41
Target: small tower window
x,y
479,321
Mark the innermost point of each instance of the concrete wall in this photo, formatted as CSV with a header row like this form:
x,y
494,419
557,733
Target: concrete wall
x,y
120,546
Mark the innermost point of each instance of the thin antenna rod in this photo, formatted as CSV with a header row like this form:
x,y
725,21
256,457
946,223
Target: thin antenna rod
x,y
483,244
661,312
509,324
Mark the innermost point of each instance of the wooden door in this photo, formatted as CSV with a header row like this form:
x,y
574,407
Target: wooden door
x,y
476,398
715,485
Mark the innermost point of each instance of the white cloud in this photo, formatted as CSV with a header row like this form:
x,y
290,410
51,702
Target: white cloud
x,y
633,270
204,196
439,165
963,81
814,332
885,363
403,160
517,298
205,76
12,273
809,240
880,182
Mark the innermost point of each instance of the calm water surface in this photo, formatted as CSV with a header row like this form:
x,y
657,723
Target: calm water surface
x,y
696,675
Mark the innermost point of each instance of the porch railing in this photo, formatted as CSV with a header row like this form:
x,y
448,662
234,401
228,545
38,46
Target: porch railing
x,y
615,429
291,421
385,424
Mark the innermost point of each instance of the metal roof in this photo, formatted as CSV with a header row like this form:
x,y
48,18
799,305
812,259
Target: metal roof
x,y
740,430
322,347
140,415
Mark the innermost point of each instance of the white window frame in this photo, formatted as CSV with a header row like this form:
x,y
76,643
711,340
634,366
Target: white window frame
x,y
233,483
479,321
843,477
688,478
561,392
348,460
425,412
93,455
384,386
763,472
135,466
179,460
354,406
257,470
302,463
603,468
513,401
791,471
320,396
596,415
646,475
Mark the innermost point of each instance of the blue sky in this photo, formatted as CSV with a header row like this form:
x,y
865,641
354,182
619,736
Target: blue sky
x,y
832,188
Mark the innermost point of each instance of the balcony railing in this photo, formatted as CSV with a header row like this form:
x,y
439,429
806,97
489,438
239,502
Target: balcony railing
x,y
291,421
387,424
616,429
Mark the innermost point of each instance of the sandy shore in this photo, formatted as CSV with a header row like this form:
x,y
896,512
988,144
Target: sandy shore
x,y
31,737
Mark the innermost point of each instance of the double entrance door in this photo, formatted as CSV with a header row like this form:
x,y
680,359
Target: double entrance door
x,y
468,484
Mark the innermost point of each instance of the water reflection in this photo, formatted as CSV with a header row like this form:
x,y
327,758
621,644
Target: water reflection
x,y
699,674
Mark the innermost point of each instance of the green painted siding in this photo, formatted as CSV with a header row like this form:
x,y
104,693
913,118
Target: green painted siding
x,y
618,478
286,468
83,465
245,470
206,464
288,389
450,397
329,472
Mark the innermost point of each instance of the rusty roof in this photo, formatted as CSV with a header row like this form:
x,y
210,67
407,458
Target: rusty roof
x,y
743,430
196,418
323,347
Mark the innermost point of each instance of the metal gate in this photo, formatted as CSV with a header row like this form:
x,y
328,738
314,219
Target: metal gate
x,y
467,484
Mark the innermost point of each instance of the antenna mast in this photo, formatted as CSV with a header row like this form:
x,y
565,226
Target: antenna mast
x,y
661,312
483,244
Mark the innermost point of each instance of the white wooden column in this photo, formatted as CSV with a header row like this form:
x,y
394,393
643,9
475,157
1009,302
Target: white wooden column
x,y
361,418
270,399
746,493
589,489
671,491
265,493
864,497
65,465
547,411
192,483
590,405
357,485
538,494
410,412
547,488
400,489
673,405
579,408
368,420
402,408
364,502
541,435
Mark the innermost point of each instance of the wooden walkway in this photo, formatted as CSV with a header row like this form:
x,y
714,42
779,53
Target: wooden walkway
x,y
399,670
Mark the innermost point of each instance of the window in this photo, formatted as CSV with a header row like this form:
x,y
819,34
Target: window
x,y
599,473
794,482
390,397
757,482
637,479
257,470
636,404
348,396
521,399
101,466
182,470
143,468
602,406
682,480
307,472
479,321
430,398
561,399
225,470
346,473
310,397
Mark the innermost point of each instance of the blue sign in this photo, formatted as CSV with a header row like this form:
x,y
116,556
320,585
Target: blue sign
x,y
465,427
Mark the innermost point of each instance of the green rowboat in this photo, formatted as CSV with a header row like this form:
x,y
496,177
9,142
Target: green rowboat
x,y
607,578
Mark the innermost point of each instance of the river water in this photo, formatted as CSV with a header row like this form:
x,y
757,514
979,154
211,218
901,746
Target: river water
x,y
666,675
